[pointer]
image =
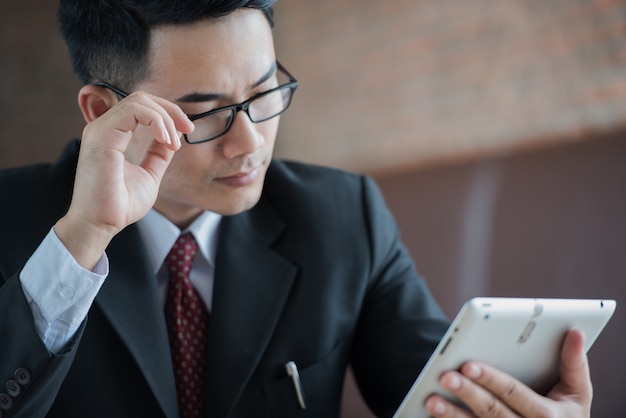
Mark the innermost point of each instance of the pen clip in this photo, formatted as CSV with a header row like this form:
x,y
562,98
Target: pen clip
x,y
292,370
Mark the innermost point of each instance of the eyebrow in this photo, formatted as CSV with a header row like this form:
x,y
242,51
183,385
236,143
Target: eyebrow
x,y
198,97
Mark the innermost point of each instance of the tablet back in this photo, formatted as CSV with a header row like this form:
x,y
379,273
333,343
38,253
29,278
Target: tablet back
x,y
520,336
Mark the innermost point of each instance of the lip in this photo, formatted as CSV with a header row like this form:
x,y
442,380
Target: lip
x,y
241,179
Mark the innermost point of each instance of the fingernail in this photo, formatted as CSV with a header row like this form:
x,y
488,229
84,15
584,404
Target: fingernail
x,y
440,408
453,382
473,371
166,135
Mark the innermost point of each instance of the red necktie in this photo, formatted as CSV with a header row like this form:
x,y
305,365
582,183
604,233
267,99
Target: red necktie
x,y
187,325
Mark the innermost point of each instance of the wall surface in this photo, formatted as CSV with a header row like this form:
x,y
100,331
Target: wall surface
x,y
38,108
384,85
547,223
407,83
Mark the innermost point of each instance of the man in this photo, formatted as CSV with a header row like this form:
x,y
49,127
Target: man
x,y
294,271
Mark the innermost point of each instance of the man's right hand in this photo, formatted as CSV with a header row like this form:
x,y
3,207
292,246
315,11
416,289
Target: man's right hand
x,y
111,192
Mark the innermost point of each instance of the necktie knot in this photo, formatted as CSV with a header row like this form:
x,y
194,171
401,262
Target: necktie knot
x,y
181,256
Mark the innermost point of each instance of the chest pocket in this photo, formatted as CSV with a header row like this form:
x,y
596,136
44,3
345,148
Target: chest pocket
x,y
322,385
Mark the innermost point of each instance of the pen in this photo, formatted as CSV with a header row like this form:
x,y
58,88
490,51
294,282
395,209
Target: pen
x,y
292,370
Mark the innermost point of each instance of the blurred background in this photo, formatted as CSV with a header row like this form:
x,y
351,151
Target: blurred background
x,y
495,129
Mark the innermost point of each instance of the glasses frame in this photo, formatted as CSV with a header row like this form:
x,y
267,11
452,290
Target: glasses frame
x,y
292,84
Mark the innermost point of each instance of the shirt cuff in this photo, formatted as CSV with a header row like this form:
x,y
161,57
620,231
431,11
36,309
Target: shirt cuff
x,y
55,282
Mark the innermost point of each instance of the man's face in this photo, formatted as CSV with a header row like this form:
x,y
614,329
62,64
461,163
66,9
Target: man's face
x,y
203,66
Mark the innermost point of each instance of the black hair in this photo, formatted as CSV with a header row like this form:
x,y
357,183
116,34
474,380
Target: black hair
x,y
108,39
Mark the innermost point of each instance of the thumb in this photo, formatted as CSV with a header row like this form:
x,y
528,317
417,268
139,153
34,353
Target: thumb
x,y
575,376
157,158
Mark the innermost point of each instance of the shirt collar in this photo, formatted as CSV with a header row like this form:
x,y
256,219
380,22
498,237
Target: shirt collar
x,y
159,235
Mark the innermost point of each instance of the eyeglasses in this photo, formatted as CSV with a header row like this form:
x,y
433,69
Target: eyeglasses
x,y
215,123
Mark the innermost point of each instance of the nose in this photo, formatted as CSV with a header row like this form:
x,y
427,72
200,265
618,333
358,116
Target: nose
x,y
242,138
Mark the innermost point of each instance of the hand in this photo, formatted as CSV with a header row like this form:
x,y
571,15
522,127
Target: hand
x,y
491,393
110,192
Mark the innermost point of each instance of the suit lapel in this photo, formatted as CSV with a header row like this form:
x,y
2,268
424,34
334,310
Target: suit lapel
x,y
252,284
130,299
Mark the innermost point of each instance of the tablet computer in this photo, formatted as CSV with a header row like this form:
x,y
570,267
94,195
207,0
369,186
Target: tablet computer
x,y
520,336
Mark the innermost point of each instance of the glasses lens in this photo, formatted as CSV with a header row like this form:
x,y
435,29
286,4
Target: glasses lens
x,y
211,126
269,105
260,109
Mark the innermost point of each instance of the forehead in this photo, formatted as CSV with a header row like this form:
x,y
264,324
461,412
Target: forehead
x,y
212,51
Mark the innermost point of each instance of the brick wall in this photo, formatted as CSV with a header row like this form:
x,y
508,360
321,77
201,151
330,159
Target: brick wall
x,y
402,83
384,84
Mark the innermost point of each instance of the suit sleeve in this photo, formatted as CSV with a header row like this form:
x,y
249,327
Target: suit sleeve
x,y
24,359
58,294
400,324
39,195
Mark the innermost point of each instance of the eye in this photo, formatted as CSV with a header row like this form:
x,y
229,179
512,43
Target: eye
x,y
199,109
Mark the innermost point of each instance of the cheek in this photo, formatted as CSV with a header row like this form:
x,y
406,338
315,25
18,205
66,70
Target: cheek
x,y
191,165
269,130
185,162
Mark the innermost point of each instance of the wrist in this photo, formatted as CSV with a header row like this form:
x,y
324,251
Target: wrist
x,y
84,241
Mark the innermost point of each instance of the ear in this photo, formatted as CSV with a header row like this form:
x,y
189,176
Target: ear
x,y
94,101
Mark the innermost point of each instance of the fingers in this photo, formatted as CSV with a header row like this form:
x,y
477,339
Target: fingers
x,y
438,407
165,120
124,155
488,392
494,393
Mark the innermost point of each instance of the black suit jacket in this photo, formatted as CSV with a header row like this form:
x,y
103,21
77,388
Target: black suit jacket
x,y
315,273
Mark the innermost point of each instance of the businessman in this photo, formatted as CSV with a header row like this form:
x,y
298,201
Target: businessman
x,y
165,265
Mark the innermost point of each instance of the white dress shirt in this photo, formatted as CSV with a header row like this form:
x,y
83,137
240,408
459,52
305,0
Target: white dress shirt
x,y
60,292
159,236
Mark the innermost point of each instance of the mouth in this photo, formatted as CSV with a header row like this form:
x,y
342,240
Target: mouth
x,y
241,178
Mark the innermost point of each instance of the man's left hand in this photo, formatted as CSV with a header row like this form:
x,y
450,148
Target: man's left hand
x,y
490,393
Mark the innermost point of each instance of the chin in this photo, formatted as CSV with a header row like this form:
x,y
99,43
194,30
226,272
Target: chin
x,y
238,203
